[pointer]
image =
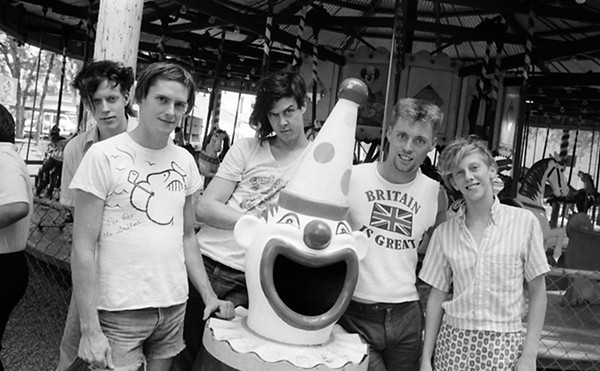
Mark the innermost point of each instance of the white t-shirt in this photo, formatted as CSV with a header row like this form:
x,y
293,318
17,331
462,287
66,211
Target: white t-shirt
x,y
259,180
15,186
140,259
394,217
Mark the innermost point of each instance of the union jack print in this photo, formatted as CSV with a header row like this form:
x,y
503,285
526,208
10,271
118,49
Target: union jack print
x,y
392,219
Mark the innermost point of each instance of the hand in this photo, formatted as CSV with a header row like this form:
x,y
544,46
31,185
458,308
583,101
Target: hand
x,y
95,350
525,363
221,308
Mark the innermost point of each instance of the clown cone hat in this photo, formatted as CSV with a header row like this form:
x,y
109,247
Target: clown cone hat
x,y
319,186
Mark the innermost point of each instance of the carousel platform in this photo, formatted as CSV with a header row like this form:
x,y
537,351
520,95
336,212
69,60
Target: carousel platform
x,y
236,345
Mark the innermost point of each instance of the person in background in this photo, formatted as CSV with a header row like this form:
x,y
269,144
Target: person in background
x,y
248,181
133,235
486,252
397,207
104,87
16,205
49,175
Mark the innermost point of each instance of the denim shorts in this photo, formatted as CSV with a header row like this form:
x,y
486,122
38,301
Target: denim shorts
x,y
134,335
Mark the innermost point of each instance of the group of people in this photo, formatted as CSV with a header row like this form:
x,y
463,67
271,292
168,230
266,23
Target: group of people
x,y
144,283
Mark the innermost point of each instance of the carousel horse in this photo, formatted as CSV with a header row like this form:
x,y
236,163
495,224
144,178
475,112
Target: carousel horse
x,y
585,197
531,197
212,153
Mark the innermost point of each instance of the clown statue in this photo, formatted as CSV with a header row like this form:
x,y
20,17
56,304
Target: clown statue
x,y
302,263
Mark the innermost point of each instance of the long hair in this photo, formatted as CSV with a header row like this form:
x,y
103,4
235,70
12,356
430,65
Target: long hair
x,y
282,84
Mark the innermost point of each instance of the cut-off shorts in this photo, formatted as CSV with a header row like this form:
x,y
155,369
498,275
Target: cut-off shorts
x,y
140,334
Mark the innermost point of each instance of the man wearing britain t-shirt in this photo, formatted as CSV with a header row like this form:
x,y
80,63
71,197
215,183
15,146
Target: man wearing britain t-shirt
x,y
397,207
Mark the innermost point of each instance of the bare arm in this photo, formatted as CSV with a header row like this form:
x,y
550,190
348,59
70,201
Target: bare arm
x,y
67,196
440,217
195,268
535,322
93,346
12,213
211,208
433,319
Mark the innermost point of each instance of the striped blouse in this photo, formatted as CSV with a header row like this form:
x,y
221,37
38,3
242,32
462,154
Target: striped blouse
x,y
487,279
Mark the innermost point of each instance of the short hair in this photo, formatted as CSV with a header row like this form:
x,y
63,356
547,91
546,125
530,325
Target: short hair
x,y
165,71
282,84
7,126
89,78
417,111
459,149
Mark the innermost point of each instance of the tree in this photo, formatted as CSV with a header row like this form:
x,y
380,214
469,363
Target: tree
x,y
20,61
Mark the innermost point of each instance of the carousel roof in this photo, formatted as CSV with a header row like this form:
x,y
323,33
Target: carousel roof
x,y
565,43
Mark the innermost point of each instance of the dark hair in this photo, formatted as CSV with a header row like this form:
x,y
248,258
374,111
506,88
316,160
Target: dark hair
x,y
7,126
272,88
166,71
90,77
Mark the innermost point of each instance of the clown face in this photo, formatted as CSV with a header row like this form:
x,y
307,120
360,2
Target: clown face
x,y
301,272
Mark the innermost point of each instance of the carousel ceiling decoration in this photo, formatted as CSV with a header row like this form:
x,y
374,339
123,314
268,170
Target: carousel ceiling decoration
x,y
226,37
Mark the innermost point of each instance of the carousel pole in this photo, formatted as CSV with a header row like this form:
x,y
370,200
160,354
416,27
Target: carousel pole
x,y
267,44
315,62
215,85
297,56
527,71
396,47
237,111
62,77
547,135
37,77
118,31
597,178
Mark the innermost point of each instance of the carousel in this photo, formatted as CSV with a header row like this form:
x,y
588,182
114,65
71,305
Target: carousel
x,y
522,76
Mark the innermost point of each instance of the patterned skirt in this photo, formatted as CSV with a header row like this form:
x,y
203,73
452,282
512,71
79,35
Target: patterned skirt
x,y
457,349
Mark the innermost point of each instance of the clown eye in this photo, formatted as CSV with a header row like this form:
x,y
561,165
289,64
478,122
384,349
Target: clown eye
x,y
342,228
291,219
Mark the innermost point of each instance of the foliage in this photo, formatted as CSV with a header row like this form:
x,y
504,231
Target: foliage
x,y
20,61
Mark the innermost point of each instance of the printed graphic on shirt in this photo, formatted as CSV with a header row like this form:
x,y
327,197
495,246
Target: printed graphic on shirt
x,y
391,218
391,221
146,195
263,202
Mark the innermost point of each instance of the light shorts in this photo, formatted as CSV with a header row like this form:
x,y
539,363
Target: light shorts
x,y
135,335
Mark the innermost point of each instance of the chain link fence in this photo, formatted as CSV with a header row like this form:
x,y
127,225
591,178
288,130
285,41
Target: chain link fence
x,y
570,338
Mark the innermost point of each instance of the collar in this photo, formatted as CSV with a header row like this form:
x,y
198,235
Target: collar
x,y
7,146
461,213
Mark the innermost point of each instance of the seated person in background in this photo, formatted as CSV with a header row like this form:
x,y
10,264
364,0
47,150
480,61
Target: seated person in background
x,y
485,252
49,175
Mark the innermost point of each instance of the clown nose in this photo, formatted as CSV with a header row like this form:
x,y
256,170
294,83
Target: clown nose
x,y
317,235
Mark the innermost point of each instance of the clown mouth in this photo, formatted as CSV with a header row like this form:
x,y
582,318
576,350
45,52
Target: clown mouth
x,y
307,290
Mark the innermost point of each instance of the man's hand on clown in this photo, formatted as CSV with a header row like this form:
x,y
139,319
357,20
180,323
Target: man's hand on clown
x,y
221,308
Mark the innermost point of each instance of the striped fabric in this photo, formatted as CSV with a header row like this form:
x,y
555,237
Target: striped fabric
x,y
487,279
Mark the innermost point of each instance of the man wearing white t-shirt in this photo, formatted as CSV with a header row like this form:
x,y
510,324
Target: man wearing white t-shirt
x,y
248,181
133,236
397,207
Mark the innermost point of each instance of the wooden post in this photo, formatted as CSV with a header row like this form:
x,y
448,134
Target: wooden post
x,y
118,31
